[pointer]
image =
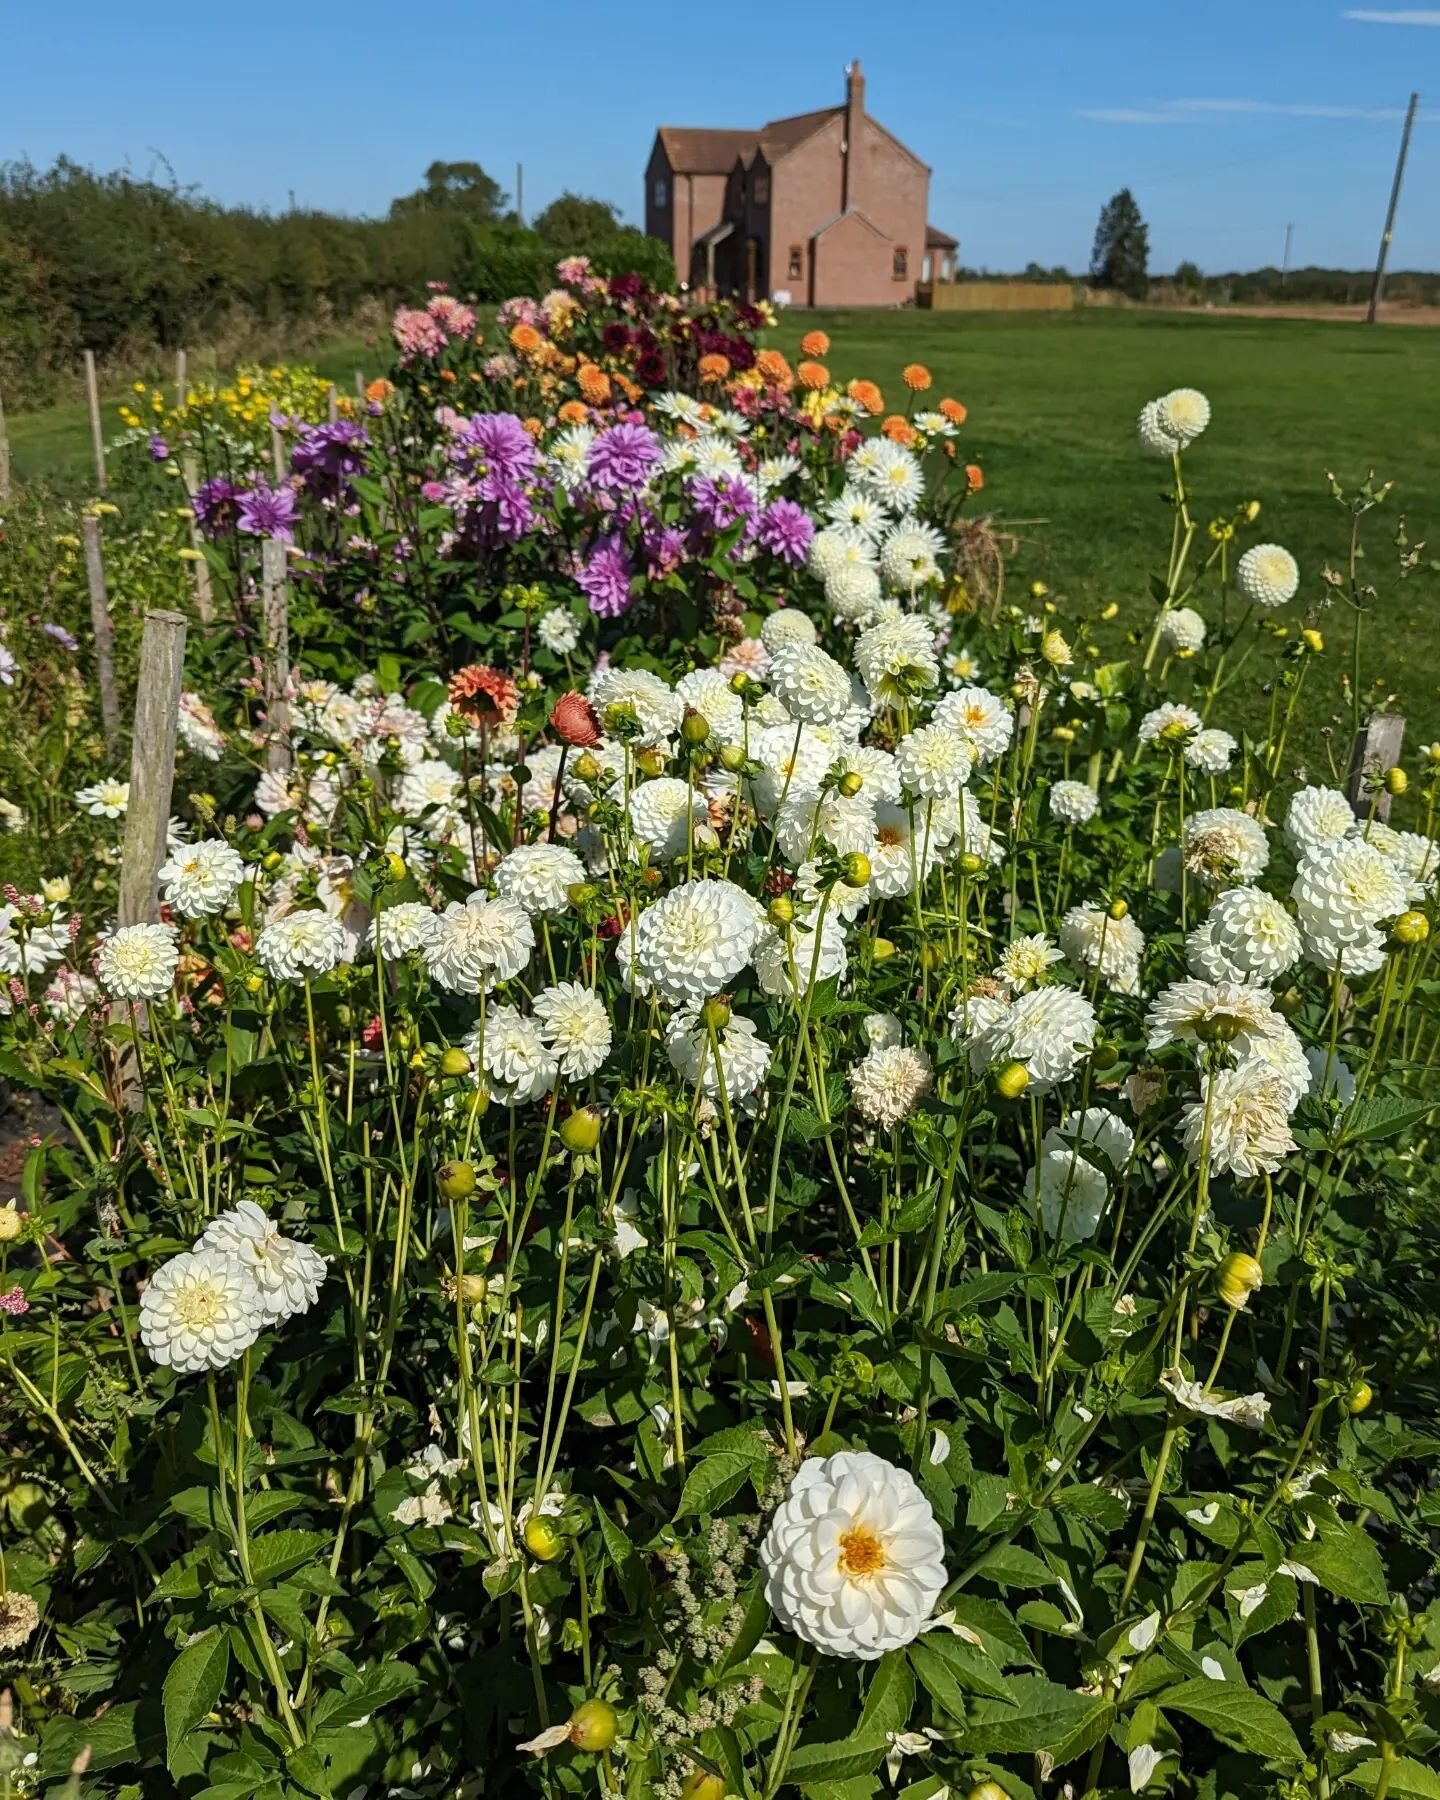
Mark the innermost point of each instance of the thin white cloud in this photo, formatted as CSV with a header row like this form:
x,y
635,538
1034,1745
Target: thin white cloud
x,y
1130,115
1393,18
1192,112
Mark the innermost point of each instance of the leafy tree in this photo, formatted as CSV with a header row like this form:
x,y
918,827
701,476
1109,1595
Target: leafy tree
x,y
1188,275
1122,247
454,187
575,222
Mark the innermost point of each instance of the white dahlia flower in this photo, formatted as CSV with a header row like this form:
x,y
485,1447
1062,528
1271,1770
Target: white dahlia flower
x,y
696,939
197,729
1224,844
515,1056
478,941
810,684
1155,440
1026,961
1182,415
980,717
1317,816
302,943
900,848
403,928
857,509
896,658
808,820
1249,1123
1073,802
785,627
1210,751
1095,1133
538,877
889,1082
105,799
426,784
1343,891
558,631
892,473
1190,1011
785,960
576,1027
202,878
708,692
288,1274
933,761
744,1059
1279,1055
910,556
1169,724
792,760
200,1310
879,778
1182,629
1356,956
1267,575
1091,939
1253,932
1072,1193
655,705
138,962
1050,1030
853,592
853,1559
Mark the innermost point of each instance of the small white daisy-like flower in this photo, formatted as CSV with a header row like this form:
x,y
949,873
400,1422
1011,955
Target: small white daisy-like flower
x,y
1210,750
1092,939
1267,575
1316,816
744,1058
933,761
853,1559
980,717
858,508
558,631
538,877
197,730
515,1056
288,1274
1050,1030
1254,933
477,942
302,943
1249,1123
663,813
888,1083
896,658
1182,629
1026,961
138,962
105,799
1073,802
810,684
852,592
575,1026
893,474
787,626
962,666
200,1310
786,961
202,878
695,939
403,928
1169,724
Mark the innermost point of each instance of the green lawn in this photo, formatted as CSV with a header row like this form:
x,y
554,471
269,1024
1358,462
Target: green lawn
x,y
1053,400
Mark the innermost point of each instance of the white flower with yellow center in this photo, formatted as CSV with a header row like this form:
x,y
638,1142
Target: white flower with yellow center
x,y
428,783
695,940
1026,962
200,1310
1249,1129
105,799
900,849
891,473
1342,891
1049,1030
896,658
300,944
575,1026
138,962
934,761
1169,724
1267,575
709,693
202,878
981,718
538,877
858,508
287,1273
853,1559
1253,932
1182,415
1073,802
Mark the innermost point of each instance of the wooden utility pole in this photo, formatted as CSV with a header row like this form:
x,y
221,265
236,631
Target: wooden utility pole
x,y
1285,265
4,457
275,614
102,631
520,192
1377,291
97,433
152,764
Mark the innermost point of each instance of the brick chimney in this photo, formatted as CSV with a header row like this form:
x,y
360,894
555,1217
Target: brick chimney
x,y
850,143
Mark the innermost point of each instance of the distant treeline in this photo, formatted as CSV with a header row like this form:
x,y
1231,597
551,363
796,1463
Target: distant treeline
x,y
126,267
1308,286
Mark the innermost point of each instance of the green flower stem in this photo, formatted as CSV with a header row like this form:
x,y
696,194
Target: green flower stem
x,y
1314,1675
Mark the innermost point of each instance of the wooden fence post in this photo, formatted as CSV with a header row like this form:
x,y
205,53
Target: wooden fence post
x,y
277,452
4,456
152,763
203,601
97,431
103,632
1375,749
332,404
360,385
275,612
182,385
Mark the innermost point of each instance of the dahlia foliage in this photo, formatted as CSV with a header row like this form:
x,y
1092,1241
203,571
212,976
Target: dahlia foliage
x,y
684,1196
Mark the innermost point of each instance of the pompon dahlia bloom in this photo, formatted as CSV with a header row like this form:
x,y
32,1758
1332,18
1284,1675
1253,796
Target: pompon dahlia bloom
x,y
889,1082
1169,724
1210,751
1249,1123
1267,575
853,592
1070,1191
1026,961
1073,802
483,695
810,684
1093,940
539,877
1191,1011
138,962
477,942
743,1061
786,628
786,962
575,721
1050,1030
302,943
575,1027
200,1310
663,815
1254,934
853,1559
287,1273
202,878
1343,891
1222,844
514,1054
980,717
896,658
403,928
1318,816
1183,629
694,941
934,761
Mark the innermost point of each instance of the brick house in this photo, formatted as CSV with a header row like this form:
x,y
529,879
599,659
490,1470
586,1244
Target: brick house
x,y
826,209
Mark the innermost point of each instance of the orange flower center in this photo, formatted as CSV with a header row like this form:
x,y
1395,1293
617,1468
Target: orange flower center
x,y
861,1552
890,836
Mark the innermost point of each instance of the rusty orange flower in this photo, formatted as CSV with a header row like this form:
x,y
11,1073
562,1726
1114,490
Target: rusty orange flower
x,y
953,411
916,377
773,366
868,396
593,383
483,695
813,375
898,430
714,367
533,426
814,343
974,477
572,412
378,390
524,339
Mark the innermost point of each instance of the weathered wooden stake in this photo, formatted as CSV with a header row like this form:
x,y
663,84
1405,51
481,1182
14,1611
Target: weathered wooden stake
x,y
182,386
204,604
332,404
360,384
104,632
1375,749
152,763
275,609
4,456
277,452
97,431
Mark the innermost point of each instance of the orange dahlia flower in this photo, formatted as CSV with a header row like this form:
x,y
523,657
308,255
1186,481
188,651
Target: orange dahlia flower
x,y
898,430
974,477
916,377
773,366
378,390
524,339
483,695
814,375
867,395
593,383
572,412
953,411
714,367
814,343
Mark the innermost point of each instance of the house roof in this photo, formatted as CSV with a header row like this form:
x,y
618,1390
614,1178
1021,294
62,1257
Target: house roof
x,y
780,136
706,150
936,239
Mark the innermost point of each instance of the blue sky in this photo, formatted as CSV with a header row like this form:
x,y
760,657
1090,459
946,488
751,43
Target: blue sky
x,y
1228,119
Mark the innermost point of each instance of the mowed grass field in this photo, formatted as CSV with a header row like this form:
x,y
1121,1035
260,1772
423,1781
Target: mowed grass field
x,y
1052,402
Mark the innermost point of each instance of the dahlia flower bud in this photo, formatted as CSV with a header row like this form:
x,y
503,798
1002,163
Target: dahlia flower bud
x,y
594,1725
851,783
580,1131
1359,1397
715,1013
473,1289
694,727
1411,928
455,1062
1396,780
971,863
699,1784
1237,1279
650,762
575,721
1012,1080
781,910
1119,909
987,1790
544,1543
456,1180
732,758
1313,640
855,869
